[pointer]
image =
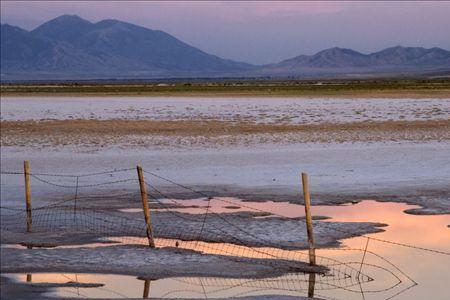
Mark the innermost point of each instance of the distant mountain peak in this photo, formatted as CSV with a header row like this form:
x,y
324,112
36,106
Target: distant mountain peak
x,y
8,27
339,51
62,28
66,20
69,44
335,57
110,22
334,49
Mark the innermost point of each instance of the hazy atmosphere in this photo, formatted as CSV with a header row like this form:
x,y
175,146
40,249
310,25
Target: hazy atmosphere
x,y
262,32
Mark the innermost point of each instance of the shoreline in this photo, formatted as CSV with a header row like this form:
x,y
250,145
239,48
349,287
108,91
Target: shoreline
x,y
340,173
166,262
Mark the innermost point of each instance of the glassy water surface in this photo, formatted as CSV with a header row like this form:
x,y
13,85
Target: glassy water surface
x,y
397,271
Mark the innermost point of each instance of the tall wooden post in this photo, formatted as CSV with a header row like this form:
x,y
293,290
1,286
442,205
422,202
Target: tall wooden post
x,y
26,172
29,275
145,207
311,284
146,289
309,226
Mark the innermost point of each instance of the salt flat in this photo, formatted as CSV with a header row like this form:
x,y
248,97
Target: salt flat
x,y
267,110
370,160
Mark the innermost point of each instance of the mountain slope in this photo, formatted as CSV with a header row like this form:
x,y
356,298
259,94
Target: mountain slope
x,y
20,49
416,56
329,58
71,45
151,47
339,61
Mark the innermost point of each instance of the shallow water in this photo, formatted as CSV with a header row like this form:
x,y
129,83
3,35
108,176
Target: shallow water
x,y
392,267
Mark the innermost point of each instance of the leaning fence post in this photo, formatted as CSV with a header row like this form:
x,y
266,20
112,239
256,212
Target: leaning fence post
x,y
145,207
309,226
26,172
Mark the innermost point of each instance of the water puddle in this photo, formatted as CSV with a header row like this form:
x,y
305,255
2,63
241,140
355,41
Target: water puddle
x,y
120,286
391,266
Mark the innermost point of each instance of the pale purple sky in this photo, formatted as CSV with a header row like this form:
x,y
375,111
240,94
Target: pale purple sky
x,y
262,32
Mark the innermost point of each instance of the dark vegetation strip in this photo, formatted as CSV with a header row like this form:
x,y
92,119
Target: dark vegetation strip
x,y
236,88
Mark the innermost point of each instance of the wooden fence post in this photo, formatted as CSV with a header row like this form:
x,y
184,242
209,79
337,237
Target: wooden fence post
x,y
311,284
29,276
309,226
145,207
26,172
146,288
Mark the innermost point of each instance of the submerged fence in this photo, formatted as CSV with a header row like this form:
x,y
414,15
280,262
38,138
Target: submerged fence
x,y
131,206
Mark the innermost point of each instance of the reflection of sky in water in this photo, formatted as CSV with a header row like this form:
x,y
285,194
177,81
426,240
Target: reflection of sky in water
x,y
431,271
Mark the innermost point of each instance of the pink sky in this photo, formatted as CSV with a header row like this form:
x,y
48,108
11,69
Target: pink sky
x,y
262,32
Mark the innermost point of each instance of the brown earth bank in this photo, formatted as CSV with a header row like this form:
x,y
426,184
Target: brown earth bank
x,y
198,132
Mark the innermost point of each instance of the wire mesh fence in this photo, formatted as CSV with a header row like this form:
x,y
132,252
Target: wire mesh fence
x,y
106,207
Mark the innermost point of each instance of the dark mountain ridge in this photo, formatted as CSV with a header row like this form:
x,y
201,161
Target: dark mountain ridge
x,y
341,60
71,47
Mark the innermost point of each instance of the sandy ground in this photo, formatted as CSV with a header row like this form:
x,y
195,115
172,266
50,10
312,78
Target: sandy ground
x,y
94,134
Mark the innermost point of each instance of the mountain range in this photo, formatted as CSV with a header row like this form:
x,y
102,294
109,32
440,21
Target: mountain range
x,y
69,47
394,60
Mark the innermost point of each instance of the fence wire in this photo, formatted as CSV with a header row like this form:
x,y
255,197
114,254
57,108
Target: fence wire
x,y
109,211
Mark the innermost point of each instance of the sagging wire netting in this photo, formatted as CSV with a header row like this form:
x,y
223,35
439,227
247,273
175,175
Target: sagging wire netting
x,y
106,207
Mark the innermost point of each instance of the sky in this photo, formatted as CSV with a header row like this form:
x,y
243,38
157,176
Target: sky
x,y
262,32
